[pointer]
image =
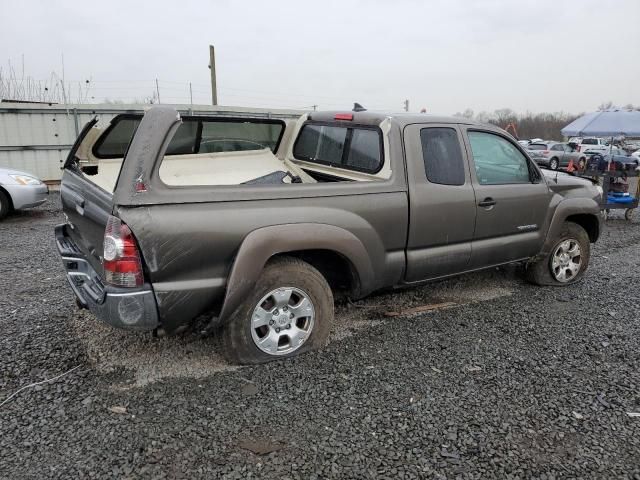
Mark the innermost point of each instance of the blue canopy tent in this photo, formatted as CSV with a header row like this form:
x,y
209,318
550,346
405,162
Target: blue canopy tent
x,y
609,123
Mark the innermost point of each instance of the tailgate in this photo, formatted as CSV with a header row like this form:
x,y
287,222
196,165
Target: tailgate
x,y
86,206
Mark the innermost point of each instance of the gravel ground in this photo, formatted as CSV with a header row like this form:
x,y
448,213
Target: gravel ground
x,y
503,380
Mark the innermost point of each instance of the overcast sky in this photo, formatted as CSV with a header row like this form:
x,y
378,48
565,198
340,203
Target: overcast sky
x,y
445,56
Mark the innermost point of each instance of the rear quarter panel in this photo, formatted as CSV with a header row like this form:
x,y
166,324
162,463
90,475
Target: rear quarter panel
x,y
189,249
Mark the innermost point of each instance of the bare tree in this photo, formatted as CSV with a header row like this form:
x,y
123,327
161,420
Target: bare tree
x,y
528,125
605,106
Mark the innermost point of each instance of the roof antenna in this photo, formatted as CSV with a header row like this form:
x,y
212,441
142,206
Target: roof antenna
x,y
358,108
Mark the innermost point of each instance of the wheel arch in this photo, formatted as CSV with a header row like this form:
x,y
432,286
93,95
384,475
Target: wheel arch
x,y
8,195
337,269
589,222
321,245
583,211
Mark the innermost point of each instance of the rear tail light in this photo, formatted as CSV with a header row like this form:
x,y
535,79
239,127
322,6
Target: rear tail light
x,y
545,152
578,148
122,264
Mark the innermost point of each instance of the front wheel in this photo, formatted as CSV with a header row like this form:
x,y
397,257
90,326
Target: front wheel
x,y
567,261
553,164
5,206
289,312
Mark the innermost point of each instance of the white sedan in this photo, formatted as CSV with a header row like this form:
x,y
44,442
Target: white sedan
x,y
20,190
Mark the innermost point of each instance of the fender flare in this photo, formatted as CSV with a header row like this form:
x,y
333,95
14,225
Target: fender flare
x,y
565,209
262,244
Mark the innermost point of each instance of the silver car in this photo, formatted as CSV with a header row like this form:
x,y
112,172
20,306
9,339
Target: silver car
x,y
20,190
556,155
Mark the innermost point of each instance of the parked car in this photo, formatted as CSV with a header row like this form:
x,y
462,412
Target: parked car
x,y
20,190
616,154
555,155
256,242
636,154
589,143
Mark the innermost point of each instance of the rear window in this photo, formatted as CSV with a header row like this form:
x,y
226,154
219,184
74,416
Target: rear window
x,y
537,146
590,141
197,135
442,156
351,148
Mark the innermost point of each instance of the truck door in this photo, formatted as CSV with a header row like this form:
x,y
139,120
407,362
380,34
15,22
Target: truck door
x,y
442,205
512,200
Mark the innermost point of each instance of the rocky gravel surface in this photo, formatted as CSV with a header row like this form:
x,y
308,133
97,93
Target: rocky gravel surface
x,y
503,379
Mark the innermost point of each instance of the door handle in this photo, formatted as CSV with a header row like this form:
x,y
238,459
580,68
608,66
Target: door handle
x,y
487,202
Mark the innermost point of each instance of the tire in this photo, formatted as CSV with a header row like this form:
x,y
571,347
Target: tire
x,y
628,214
550,269
554,163
266,303
582,163
5,205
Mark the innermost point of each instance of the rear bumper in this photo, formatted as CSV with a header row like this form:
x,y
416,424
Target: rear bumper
x,y
131,309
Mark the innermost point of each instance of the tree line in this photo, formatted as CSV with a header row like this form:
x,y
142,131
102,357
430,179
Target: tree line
x,y
532,125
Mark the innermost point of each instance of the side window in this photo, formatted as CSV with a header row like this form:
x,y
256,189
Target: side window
x,y
228,136
184,140
114,141
497,161
351,148
442,156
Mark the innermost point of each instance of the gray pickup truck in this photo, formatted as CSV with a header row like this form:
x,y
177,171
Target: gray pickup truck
x,y
252,224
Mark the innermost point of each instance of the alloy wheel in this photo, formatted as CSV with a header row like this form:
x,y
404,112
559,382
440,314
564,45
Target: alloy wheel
x,y
282,321
566,260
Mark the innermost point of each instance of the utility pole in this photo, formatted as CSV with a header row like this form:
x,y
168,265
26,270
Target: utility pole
x,y
212,67
158,91
406,105
191,93
315,107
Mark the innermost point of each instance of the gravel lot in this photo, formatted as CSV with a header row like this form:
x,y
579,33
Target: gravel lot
x,y
503,380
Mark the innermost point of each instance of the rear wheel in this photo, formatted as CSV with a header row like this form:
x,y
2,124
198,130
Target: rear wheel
x,y
289,312
553,164
567,260
5,205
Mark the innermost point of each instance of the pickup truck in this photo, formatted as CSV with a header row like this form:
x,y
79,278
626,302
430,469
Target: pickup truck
x,y
252,225
594,144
